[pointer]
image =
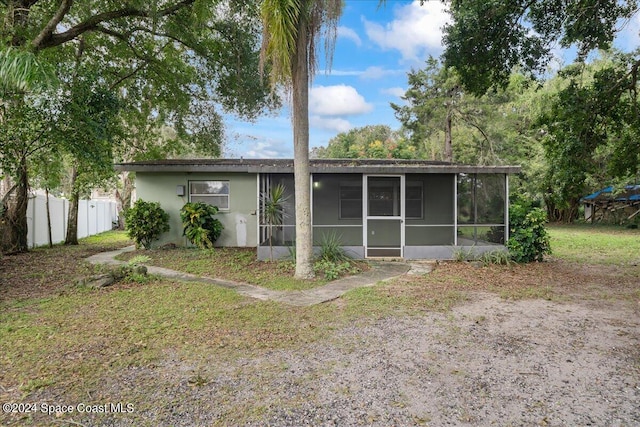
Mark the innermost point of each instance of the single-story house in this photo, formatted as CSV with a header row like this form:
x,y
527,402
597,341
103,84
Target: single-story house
x,y
411,209
619,205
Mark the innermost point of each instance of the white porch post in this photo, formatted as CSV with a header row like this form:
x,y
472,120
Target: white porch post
x,y
455,209
506,208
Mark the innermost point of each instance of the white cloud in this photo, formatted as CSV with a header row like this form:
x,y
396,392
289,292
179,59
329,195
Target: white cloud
x,y
265,150
339,100
371,73
414,31
374,73
335,124
350,34
345,72
268,137
393,91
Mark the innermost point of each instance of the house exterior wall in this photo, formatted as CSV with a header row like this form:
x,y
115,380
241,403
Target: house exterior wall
x,y
240,221
456,210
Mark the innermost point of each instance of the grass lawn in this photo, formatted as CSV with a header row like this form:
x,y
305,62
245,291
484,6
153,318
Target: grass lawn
x,y
238,264
596,244
62,343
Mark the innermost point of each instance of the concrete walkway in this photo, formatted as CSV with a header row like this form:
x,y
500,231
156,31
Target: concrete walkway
x,y
380,271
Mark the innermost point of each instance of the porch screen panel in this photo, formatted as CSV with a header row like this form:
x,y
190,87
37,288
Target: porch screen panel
x,y
348,236
436,235
481,209
278,234
337,208
439,199
435,227
337,199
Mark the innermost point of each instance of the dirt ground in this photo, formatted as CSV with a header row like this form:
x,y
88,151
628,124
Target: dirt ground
x,y
574,361
566,352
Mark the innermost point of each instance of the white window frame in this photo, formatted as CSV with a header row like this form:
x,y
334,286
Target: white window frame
x,y
228,195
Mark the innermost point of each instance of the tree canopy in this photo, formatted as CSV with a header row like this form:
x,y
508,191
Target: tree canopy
x,y
167,63
587,116
591,130
374,142
488,39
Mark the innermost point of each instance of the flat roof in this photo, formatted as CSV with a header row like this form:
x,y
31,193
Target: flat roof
x,y
316,166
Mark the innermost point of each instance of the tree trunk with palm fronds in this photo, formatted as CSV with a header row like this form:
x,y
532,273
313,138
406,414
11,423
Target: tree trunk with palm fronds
x,y
288,44
302,179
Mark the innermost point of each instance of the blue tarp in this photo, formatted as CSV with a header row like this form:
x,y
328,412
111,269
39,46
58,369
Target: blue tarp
x,y
631,194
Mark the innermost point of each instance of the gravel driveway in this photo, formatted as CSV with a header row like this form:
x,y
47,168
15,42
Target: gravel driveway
x,y
487,362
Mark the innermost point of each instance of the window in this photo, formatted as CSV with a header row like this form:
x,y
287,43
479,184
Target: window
x,y
413,196
350,201
384,196
215,193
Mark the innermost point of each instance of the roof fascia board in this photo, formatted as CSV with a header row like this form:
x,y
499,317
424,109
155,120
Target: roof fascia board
x,y
332,169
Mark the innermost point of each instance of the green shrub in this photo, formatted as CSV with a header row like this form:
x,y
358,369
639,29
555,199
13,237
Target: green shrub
x,y
333,262
292,252
145,221
138,260
499,257
199,224
529,240
332,270
464,254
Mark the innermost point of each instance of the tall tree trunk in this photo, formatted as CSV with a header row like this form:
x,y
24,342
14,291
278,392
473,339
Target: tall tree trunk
x,y
72,226
123,198
46,190
15,226
448,148
302,181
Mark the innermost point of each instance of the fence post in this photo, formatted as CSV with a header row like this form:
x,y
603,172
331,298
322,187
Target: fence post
x,y
33,222
65,220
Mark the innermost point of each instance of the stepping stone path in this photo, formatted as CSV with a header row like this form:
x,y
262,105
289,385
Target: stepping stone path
x,y
380,271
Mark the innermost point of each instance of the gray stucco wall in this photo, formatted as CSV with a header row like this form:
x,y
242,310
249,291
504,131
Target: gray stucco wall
x,y
240,221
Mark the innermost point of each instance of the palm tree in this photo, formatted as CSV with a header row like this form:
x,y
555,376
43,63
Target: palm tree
x,y
290,32
20,74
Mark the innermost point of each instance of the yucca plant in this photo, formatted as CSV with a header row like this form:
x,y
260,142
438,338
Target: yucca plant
x,y
331,248
199,225
273,213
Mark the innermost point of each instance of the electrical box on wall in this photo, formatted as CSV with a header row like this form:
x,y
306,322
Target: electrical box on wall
x,y
180,190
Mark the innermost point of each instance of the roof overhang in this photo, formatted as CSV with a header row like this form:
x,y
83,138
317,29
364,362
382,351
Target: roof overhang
x,y
369,166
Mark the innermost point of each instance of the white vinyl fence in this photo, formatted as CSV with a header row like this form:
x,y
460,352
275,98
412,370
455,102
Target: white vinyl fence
x,y
94,216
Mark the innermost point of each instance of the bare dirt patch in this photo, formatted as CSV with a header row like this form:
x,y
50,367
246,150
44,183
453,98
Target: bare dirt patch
x,y
487,362
554,343
571,357
44,272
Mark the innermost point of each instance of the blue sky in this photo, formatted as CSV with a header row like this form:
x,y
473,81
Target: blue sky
x,y
375,49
